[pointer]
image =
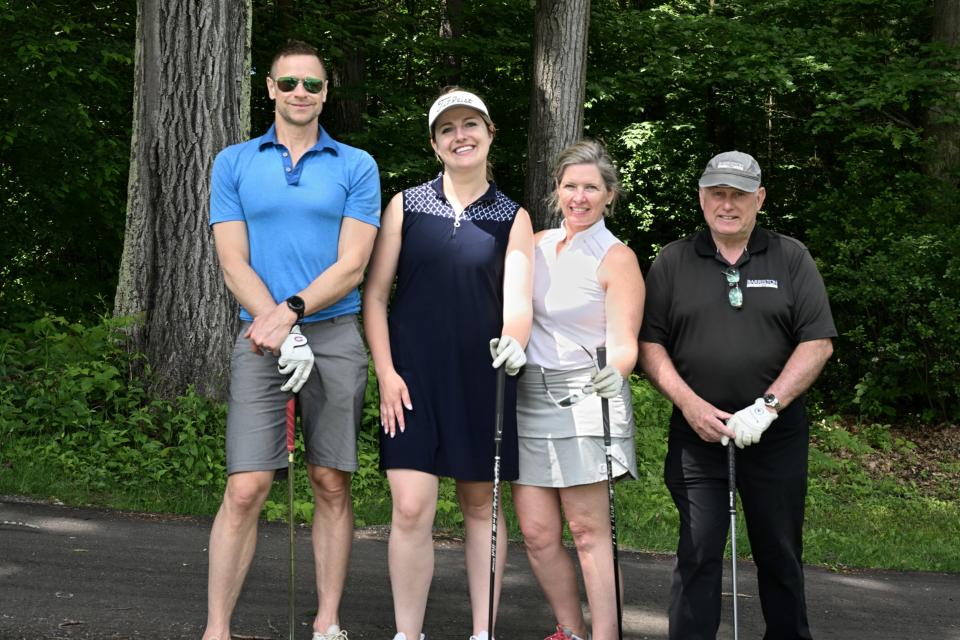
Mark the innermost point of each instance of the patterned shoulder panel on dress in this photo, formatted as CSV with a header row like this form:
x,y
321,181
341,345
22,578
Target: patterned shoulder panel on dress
x,y
502,209
424,199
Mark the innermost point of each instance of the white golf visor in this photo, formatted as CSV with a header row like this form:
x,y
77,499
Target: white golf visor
x,y
455,99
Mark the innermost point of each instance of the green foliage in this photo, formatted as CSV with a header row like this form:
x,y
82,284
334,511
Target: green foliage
x,y
67,73
897,300
405,63
645,507
67,404
74,428
834,100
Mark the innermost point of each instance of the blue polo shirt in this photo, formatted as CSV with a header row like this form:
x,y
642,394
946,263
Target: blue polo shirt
x,y
293,213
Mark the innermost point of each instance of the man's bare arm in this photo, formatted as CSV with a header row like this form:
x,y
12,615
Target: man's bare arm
x,y
802,369
706,419
233,253
353,252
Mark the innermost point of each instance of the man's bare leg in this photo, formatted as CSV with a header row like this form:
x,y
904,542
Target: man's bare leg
x,y
332,539
233,539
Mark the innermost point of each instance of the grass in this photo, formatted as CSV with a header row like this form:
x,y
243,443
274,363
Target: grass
x,y
74,429
854,519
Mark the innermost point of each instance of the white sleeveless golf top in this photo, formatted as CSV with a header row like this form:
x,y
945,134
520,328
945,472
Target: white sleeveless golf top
x,y
568,300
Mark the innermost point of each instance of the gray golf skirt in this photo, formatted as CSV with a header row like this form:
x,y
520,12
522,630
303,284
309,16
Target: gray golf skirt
x,y
563,446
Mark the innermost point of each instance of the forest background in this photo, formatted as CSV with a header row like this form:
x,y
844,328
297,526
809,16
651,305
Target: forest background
x,y
852,108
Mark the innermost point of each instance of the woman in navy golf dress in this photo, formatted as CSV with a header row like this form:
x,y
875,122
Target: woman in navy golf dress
x,y
461,253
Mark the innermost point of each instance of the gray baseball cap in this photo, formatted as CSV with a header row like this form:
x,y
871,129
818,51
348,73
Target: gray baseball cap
x,y
732,169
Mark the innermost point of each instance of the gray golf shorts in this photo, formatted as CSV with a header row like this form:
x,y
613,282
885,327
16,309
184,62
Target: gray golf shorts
x,y
331,401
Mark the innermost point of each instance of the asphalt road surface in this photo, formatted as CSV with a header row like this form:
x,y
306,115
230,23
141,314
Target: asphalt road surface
x,y
86,573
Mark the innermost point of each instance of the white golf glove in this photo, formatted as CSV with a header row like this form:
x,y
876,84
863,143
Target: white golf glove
x,y
749,424
296,359
607,382
507,351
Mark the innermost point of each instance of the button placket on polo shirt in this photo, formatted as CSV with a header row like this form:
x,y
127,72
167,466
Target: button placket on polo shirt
x,y
292,172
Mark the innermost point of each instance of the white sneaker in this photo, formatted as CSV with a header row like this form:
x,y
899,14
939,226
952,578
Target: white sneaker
x,y
333,632
403,636
480,636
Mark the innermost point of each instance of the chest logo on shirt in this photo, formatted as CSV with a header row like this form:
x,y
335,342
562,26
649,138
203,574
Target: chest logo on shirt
x,y
762,284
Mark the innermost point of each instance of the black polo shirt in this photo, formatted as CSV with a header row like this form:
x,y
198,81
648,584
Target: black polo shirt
x,y
730,356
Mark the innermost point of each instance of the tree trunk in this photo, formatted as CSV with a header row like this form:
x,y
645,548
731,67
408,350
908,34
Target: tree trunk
x,y
559,89
450,11
345,105
191,99
945,155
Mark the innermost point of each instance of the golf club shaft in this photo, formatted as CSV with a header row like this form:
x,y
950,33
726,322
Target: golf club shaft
x,y
291,435
605,408
497,436
732,488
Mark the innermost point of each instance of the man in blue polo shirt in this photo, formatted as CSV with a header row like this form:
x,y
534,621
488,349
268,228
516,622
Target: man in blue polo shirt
x,y
294,216
736,327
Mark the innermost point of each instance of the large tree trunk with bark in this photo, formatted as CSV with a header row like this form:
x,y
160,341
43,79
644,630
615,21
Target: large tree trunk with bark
x,y
450,12
191,99
556,104
944,160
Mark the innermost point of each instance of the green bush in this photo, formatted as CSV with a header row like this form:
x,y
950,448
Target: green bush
x,y
836,105
897,304
74,427
67,403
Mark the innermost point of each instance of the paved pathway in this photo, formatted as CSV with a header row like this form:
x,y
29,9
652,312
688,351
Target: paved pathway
x,y
85,573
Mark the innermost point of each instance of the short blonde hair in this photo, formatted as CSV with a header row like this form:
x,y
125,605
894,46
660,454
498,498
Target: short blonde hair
x,y
585,151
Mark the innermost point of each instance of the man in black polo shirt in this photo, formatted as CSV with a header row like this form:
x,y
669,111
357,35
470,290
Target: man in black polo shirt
x,y
737,326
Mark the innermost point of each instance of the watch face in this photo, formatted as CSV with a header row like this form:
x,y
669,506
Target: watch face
x,y
296,305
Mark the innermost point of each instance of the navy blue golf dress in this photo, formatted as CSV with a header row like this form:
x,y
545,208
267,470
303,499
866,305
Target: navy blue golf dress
x,y
447,306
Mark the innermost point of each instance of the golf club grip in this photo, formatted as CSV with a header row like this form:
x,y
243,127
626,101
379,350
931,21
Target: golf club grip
x,y
732,475
291,422
604,403
501,387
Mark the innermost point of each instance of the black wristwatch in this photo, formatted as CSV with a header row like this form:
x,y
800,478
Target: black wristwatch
x,y
771,401
295,304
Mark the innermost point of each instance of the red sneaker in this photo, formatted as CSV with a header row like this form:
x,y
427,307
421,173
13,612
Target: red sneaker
x,y
561,634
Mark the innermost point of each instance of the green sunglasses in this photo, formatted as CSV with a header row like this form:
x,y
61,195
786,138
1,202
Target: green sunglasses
x,y
289,83
734,295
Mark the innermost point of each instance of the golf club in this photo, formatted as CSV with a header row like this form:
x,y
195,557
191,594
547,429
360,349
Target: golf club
x,y
732,488
291,435
605,407
497,435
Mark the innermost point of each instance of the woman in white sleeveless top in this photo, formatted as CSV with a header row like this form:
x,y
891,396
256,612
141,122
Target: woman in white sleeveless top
x,y
588,292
